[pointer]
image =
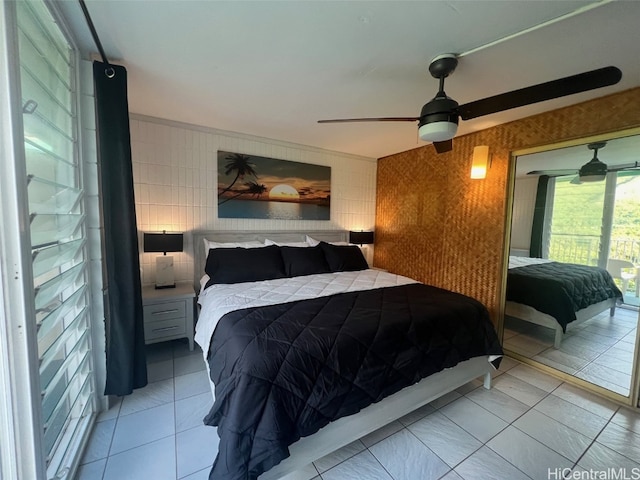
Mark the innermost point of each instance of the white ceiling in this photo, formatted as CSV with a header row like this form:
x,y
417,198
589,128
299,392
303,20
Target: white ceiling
x,y
273,68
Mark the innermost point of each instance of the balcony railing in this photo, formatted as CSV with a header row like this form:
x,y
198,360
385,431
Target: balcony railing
x,y
583,249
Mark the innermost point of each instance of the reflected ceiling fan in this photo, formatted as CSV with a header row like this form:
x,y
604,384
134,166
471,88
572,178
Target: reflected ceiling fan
x,y
438,120
592,171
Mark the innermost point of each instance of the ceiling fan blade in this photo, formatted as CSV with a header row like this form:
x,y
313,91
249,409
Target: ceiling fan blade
x,y
381,119
553,173
628,166
562,87
442,147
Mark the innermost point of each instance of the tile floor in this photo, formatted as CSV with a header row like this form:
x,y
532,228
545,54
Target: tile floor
x,y
527,423
599,350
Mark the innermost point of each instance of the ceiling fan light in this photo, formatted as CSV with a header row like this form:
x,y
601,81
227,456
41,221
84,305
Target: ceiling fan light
x,y
437,131
590,177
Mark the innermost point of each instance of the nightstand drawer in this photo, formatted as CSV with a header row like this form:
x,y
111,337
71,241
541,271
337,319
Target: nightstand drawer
x,y
164,311
164,328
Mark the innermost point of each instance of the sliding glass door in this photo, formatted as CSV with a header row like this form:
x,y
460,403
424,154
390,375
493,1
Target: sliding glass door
x,y
598,224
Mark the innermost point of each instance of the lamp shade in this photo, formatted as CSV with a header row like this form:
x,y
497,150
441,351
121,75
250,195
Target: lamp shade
x,y
480,162
361,238
163,242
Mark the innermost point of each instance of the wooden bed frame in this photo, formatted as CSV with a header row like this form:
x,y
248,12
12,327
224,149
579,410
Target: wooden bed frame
x,y
531,315
345,430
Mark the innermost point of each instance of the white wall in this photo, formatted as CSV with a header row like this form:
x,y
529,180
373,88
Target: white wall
x,y
175,182
524,201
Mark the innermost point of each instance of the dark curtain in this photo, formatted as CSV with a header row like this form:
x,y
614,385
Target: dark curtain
x,y
126,362
537,227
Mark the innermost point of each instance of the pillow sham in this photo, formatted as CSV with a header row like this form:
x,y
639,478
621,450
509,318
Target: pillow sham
x,y
343,258
208,245
313,242
299,261
238,265
286,244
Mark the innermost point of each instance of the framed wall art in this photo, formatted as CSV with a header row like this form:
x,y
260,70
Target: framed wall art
x,y
250,186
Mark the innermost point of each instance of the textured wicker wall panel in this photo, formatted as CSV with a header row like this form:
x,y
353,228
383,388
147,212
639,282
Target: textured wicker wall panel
x,y
435,224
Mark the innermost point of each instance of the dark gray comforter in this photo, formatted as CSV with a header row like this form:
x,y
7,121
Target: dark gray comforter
x,y
284,371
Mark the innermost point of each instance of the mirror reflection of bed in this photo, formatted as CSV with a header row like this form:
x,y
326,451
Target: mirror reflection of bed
x,y
573,282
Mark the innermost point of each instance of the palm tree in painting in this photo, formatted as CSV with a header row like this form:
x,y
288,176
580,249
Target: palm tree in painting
x,y
253,188
240,164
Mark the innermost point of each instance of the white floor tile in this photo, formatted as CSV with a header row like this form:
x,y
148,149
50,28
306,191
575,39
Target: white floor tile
x,y
362,466
521,391
579,419
535,377
155,460
416,415
191,384
100,441
498,403
381,433
143,427
113,411
599,457
162,370
507,363
191,411
474,419
588,401
153,395
527,454
555,435
445,399
188,364
92,471
196,449
485,464
407,458
627,418
446,439
199,475
452,475
306,473
621,440
340,455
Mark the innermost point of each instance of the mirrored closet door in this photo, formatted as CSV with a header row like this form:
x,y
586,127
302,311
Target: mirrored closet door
x,y
573,282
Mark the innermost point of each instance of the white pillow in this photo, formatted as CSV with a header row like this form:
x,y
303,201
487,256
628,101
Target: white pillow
x,y
268,242
208,245
313,242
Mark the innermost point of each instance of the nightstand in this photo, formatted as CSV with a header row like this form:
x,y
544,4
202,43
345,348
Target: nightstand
x,y
168,313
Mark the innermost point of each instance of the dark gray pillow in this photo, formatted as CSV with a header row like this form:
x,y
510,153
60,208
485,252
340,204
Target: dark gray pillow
x,y
237,265
343,258
300,261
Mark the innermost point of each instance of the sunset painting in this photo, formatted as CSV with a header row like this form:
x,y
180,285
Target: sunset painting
x,y
250,186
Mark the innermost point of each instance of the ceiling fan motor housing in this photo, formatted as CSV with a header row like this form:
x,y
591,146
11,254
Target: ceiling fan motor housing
x,y
593,171
438,120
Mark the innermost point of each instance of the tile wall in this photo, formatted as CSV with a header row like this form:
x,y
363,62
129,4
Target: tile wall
x,y
175,182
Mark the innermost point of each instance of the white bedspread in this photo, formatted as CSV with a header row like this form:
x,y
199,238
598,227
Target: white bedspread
x,y
217,300
515,262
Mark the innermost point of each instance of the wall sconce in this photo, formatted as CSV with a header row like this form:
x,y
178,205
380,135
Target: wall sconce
x,y
361,238
163,242
480,162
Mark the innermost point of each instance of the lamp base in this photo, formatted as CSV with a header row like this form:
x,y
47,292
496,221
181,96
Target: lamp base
x,y
164,272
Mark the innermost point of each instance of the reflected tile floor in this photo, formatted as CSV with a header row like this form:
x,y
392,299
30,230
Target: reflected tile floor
x,y
528,426
599,350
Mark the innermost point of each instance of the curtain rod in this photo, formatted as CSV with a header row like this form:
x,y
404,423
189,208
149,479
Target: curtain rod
x,y
94,34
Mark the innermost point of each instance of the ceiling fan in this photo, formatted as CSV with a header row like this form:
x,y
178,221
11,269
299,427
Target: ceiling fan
x,y
592,171
438,120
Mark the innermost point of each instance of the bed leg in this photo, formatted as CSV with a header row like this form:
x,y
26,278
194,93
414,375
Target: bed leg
x,y
487,381
612,311
558,338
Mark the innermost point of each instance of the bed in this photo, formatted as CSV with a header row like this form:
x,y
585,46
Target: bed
x,y
558,295
341,374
